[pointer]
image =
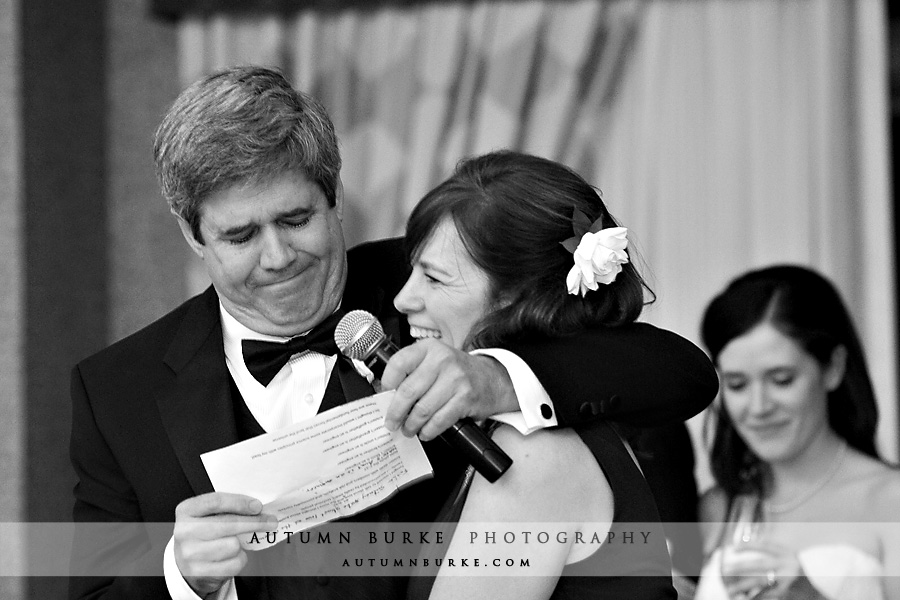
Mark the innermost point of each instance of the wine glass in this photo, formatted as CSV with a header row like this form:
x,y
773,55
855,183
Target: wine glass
x,y
743,529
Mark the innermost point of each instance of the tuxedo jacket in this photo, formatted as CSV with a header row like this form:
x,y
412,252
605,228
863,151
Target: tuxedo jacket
x,y
146,408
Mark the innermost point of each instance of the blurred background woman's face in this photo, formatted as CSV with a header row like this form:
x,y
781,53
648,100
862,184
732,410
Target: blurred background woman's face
x,y
775,392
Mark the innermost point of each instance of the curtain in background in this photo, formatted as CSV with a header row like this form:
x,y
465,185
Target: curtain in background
x,y
749,133
412,90
726,134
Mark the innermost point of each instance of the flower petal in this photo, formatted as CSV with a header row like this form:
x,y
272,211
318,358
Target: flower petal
x,y
573,280
614,238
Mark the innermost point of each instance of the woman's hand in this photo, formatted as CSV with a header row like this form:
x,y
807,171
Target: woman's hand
x,y
761,571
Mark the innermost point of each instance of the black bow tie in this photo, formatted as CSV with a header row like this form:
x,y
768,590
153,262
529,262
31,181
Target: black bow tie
x,y
265,359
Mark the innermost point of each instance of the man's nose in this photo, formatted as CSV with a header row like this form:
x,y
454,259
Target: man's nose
x,y
277,252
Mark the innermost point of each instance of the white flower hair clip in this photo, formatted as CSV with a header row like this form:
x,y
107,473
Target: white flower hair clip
x,y
598,253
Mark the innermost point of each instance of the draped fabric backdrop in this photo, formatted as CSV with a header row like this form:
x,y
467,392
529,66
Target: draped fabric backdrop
x,y
726,134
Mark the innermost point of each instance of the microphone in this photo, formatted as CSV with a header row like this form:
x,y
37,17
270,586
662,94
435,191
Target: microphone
x,y
360,336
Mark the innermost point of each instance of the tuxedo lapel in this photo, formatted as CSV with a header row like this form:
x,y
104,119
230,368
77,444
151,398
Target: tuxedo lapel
x,y
376,273
353,384
196,404
370,287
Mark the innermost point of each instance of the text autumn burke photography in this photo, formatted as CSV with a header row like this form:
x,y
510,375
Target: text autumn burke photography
x,y
438,537
392,551
335,549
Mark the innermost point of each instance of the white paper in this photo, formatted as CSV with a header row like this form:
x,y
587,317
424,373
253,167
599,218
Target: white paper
x,y
334,465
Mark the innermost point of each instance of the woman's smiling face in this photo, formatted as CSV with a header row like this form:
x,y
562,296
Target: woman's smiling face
x,y
775,392
446,293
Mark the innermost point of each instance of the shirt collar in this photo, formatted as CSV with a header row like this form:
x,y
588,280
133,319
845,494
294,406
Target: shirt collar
x,y
233,331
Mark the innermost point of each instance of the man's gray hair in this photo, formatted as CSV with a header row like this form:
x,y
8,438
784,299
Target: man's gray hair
x,y
242,125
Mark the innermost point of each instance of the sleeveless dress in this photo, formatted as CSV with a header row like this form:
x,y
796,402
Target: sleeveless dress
x,y
639,571
838,571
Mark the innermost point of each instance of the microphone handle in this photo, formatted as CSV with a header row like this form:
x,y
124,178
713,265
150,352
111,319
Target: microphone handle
x,y
481,451
378,357
465,435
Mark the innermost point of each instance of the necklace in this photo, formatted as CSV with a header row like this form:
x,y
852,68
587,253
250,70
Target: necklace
x,y
814,489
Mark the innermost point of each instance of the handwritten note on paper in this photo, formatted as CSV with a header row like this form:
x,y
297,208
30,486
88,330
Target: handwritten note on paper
x,y
334,465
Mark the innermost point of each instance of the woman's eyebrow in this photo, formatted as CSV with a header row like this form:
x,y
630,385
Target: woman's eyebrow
x,y
432,266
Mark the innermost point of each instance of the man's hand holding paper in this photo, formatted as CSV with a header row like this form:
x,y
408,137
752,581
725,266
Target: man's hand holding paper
x,y
206,528
334,465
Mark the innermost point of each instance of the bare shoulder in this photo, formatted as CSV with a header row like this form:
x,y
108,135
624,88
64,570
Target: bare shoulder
x,y
879,489
553,477
542,439
866,489
545,456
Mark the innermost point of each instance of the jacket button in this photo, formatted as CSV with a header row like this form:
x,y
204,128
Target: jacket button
x,y
546,411
612,404
322,580
589,409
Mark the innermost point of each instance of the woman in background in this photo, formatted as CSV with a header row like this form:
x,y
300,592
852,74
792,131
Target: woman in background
x,y
514,246
803,508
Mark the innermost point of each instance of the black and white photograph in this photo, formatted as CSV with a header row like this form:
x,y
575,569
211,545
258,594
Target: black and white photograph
x,y
449,299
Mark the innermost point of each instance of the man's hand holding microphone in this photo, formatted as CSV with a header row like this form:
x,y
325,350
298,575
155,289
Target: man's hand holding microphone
x,y
435,385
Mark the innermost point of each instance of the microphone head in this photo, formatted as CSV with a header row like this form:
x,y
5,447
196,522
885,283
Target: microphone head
x,y
357,334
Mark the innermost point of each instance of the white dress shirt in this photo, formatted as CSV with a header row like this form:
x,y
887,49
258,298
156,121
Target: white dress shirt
x,y
296,392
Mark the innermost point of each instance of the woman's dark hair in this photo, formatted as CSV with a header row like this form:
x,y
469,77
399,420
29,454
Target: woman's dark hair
x,y
512,211
806,307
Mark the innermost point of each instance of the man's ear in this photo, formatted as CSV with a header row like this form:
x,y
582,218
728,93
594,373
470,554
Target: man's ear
x,y
339,198
837,367
196,246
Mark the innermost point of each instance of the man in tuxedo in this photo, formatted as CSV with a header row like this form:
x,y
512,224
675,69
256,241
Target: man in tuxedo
x,y
250,168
